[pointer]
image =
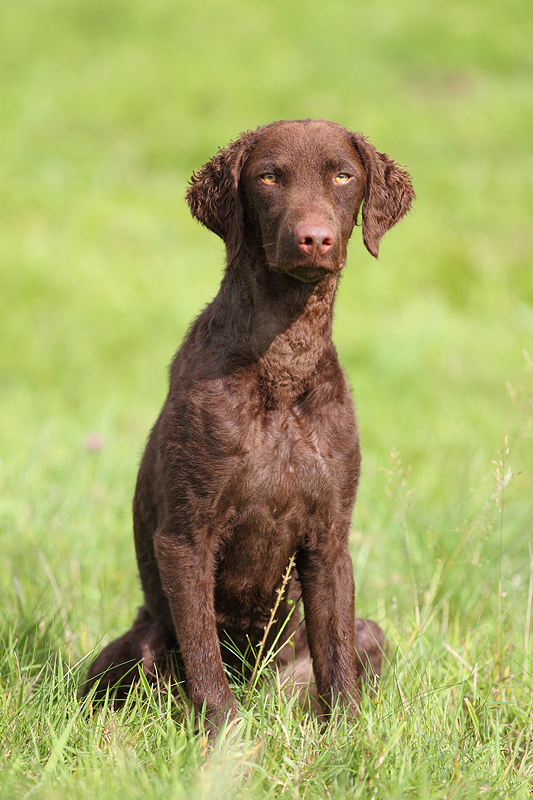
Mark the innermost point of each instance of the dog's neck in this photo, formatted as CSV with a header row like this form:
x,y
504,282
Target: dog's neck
x,y
284,325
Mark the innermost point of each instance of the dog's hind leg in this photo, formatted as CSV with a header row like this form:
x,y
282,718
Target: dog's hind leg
x,y
145,646
370,647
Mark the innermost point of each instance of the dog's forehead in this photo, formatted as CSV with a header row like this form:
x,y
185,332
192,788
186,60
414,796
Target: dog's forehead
x,y
306,142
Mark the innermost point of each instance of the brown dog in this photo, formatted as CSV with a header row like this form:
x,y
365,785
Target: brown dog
x,y
255,455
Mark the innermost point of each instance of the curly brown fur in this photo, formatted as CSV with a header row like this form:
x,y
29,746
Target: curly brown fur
x,y
255,454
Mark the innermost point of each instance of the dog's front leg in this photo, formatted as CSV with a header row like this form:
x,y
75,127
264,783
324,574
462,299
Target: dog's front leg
x,y
326,576
187,572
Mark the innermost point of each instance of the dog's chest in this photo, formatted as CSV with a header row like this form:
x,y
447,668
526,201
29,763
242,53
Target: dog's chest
x,y
281,486
284,464
280,492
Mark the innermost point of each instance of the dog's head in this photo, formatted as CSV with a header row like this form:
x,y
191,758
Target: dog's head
x,y
300,185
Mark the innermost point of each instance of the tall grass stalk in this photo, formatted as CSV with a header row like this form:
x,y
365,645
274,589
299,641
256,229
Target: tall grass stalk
x,y
503,477
280,592
402,499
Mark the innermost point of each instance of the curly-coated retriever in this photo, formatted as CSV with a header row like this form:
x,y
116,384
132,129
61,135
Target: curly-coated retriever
x,y
255,455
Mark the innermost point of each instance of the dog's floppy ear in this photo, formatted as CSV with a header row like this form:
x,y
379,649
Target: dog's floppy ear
x,y
214,197
388,192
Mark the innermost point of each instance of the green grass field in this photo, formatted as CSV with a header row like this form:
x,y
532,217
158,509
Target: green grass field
x,y
105,110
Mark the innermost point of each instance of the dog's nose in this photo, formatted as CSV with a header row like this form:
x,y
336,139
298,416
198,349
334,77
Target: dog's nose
x,y
314,240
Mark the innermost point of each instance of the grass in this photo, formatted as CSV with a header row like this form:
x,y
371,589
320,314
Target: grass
x,y
106,110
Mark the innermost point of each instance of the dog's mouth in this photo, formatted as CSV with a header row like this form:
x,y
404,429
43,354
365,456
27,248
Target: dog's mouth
x,y
308,274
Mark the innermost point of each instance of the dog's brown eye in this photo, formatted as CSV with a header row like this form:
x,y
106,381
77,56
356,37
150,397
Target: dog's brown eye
x,y
269,177
342,177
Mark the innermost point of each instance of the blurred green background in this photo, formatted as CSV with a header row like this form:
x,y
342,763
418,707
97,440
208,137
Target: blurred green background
x,y
106,108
